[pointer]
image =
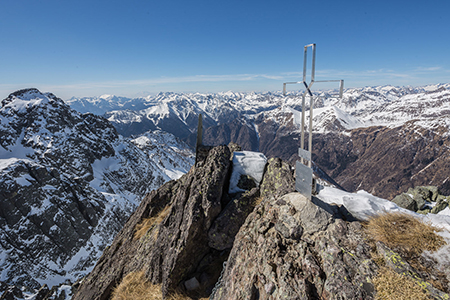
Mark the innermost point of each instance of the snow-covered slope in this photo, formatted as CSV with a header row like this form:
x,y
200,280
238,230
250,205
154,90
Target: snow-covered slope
x,y
68,182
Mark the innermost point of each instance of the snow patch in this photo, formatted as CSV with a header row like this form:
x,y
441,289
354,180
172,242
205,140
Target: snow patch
x,y
246,163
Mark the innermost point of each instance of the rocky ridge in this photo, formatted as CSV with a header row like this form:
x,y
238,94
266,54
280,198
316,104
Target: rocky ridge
x,y
276,243
68,182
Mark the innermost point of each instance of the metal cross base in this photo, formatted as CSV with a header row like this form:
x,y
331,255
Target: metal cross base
x,y
304,182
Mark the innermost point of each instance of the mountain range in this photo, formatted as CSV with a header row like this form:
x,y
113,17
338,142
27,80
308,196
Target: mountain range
x,y
68,183
399,134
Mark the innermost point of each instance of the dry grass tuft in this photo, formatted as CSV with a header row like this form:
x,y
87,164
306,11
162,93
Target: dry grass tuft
x,y
257,200
147,223
392,286
135,286
404,233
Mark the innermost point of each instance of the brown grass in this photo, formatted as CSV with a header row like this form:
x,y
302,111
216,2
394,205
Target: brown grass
x,y
135,286
257,200
404,233
147,223
392,286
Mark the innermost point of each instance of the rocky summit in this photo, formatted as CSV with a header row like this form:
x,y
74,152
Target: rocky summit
x,y
192,236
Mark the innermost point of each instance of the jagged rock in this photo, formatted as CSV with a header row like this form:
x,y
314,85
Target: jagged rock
x,y
427,193
234,147
416,199
278,179
420,201
405,201
292,248
246,183
176,249
441,204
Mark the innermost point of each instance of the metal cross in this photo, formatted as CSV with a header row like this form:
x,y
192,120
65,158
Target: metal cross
x,y
303,175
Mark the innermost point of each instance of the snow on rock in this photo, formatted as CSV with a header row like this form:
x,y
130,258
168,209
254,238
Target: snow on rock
x,y
246,163
363,205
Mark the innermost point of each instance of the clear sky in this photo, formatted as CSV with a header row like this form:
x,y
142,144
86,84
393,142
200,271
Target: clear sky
x,y
131,48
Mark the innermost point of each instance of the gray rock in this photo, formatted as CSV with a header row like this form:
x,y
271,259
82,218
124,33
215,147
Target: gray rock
x,y
246,183
441,204
270,259
226,225
406,201
420,201
192,284
278,179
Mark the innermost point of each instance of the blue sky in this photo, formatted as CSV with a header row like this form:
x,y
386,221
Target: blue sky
x,y
130,48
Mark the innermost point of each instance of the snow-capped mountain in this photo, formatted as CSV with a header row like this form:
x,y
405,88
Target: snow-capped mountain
x,y
343,129
360,107
68,182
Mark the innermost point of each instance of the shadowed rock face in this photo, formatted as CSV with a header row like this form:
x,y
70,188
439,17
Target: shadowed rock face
x,y
176,249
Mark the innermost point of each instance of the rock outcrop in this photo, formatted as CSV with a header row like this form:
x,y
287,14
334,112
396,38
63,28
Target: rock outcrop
x,y
176,249
293,248
192,241
268,242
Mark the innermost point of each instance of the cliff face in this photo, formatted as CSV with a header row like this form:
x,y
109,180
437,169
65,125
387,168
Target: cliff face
x,y
176,249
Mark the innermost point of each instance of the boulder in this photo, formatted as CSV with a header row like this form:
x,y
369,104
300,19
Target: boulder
x,y
406,201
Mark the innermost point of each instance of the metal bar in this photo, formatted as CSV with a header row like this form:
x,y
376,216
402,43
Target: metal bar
x,y
337,80
302,141
341,89
311,104
313,68
307,89
305,55
199,131
199,138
